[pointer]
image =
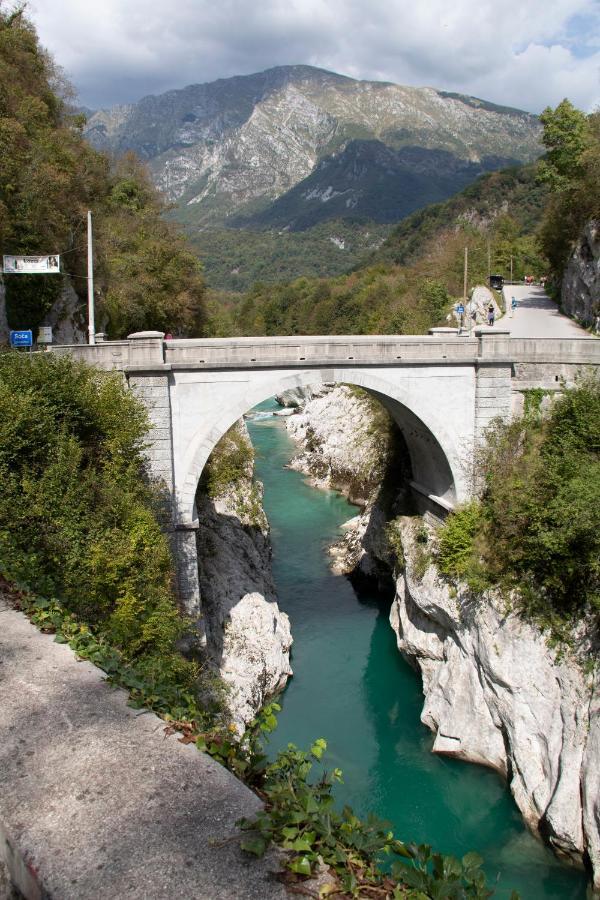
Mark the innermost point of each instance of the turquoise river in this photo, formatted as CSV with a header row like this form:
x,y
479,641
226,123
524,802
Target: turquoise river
x,y
352,687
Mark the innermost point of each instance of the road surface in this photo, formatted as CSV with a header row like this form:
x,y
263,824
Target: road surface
x,y
536,315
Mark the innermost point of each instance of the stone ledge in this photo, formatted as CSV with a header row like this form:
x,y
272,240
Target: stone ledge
x,y
96,802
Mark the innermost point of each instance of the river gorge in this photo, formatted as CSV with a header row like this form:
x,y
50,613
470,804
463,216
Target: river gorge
x,y
352,687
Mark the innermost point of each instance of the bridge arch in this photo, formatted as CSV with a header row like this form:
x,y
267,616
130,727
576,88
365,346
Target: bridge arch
x,y
437,453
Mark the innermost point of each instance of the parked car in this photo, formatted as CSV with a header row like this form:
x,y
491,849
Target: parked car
x,y
496,282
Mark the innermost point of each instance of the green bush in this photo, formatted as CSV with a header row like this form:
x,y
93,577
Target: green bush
x,y
78,518
537,529
456,540
231,461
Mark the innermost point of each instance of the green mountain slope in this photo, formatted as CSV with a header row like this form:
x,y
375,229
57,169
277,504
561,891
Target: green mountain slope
x,y
513,192
371,180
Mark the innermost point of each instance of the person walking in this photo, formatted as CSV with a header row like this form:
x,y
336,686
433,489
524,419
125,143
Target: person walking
x,y
491,314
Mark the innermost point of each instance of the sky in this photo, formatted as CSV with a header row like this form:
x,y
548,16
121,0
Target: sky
x,y
523,53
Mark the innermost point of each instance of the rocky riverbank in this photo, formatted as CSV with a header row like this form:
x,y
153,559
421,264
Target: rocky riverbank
x,y
498,694
248,637
495,692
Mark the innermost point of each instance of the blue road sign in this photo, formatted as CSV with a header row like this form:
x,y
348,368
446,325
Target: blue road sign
x,y
460,309
21,338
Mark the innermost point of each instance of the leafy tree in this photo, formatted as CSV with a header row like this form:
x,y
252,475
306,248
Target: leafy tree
x,y
572,168
50,177
565,136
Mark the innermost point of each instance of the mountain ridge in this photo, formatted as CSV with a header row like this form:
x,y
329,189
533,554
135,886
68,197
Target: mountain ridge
x,y
230,148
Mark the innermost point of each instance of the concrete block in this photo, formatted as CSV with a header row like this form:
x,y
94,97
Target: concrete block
x,y
96,802
159,433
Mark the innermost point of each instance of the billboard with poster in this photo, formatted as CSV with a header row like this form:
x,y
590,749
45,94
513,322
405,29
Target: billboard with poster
x,y
31,265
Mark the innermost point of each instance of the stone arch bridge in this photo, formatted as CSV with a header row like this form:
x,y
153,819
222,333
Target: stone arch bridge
x,y
443,390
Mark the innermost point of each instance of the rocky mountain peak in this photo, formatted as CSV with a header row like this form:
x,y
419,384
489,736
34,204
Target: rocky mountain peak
x,y
230,148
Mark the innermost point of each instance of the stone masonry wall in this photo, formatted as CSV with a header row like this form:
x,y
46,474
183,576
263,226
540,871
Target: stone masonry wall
x,y
154,392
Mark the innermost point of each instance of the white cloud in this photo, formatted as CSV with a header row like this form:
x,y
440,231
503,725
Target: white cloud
x,y
525,53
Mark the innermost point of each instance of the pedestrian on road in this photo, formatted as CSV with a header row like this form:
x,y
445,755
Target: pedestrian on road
x,y
514,303
491,314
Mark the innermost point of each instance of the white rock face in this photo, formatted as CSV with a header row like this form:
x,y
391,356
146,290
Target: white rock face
x,y
248,637
341,447
496,694
297,397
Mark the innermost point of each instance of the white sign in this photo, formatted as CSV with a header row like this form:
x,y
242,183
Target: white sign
x,y
31,265
44,334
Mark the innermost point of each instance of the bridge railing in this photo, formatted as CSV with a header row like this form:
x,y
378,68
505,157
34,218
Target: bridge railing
x,y
153,353
281,351
577,351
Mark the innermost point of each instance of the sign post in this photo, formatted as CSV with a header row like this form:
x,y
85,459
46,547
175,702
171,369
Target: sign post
x,y
21,338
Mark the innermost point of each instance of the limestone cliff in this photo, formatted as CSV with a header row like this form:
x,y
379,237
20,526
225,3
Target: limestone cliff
x,y
345,439
248,637
495,692
580,293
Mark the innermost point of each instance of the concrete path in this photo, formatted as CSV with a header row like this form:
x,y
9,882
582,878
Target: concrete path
x,y
536,315
96,803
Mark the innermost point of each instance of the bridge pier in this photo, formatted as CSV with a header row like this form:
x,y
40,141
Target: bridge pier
x,y
493,381
154,390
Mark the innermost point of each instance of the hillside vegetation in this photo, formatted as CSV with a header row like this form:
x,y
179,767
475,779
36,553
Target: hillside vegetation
x,y
391,298
571,170
145,275
536,529
235,259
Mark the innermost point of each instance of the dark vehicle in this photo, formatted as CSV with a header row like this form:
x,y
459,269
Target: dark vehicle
x,y
496,282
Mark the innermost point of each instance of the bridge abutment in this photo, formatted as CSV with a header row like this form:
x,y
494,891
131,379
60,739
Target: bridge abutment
x,y
493,381
154,390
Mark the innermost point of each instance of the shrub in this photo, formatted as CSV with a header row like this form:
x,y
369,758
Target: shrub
x,y
78,518
230,462
456,539
537,528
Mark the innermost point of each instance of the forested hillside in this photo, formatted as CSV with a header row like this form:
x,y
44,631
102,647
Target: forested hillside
x,y
410,283
145,275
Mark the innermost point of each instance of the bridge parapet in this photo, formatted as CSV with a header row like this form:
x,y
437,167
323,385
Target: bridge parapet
x,y
121,355
387,350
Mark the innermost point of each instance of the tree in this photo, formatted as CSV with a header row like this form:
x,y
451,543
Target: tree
x,y
565,136
49,177
572,168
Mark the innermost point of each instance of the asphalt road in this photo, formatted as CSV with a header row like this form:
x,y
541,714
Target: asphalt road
x,y
536,316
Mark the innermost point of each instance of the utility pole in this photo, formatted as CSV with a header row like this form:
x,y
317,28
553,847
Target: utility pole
x,y
511,270
90,281
489,250
466,311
